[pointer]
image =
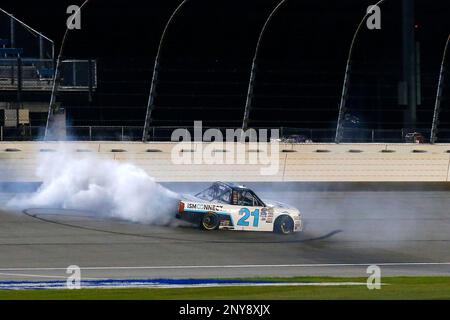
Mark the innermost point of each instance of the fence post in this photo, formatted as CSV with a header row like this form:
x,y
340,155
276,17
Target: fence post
x,y
74,73
19,89
1,133
90,133
90,79
41,47
13,75
12,27
122,134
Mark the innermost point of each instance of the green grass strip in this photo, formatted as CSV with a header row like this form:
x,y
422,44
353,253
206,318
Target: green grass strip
x,y
398,288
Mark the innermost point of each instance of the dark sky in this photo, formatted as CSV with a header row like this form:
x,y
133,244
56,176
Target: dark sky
x,y
135,26
309,39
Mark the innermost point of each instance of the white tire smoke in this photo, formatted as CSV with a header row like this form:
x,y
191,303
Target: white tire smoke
x,y
106,187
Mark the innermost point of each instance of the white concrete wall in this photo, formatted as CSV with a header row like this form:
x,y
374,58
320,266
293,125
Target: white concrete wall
x,y
310,162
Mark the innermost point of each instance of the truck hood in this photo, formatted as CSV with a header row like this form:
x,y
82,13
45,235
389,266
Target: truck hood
x,y
277,204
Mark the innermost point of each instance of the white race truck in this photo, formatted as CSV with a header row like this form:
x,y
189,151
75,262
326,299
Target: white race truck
x,y
229,206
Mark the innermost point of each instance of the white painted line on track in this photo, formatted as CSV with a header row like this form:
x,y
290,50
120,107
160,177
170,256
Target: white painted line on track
x,y
44,285
38,276
324,265
278,284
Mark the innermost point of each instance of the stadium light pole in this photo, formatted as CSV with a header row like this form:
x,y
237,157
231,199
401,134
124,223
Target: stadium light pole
x,y
251,86
343,103
51,107
152,95
440,89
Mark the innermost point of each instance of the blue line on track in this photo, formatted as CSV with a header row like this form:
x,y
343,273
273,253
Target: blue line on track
x,y
116,283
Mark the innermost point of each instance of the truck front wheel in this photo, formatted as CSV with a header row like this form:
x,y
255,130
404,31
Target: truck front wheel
x,y
284,225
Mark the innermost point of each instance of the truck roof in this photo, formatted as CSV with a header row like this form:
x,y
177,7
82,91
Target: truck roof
x,y
233,185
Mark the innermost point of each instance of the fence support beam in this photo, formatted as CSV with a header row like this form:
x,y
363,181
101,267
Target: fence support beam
x,y
19,89
440,89
13,32
345,86
52,104
90,79
152,96
248,103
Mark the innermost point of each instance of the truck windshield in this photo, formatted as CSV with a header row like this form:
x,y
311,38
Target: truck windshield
x,y
217,193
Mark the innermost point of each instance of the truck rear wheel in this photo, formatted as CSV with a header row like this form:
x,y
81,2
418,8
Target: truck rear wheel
x,y
210,221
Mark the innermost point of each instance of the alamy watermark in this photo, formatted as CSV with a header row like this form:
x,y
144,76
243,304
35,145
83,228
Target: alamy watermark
x,y
374,280
374,19
74,279
74,20
236,147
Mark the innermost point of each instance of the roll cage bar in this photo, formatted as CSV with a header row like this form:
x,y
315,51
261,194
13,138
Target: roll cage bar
x,y
229,188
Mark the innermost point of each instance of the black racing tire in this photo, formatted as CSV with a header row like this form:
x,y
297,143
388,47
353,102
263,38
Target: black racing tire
x,y
210,221
284,225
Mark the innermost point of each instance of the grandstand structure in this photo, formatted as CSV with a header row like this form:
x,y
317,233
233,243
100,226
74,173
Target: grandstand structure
x,y
205,65
27,68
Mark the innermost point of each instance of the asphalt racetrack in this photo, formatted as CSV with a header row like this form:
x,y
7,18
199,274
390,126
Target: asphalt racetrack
x,y
404,230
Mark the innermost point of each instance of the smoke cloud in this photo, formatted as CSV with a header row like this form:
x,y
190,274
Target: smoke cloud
x,y
106,187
